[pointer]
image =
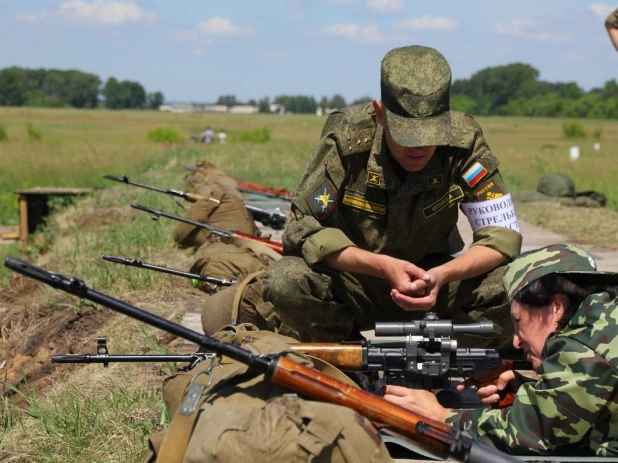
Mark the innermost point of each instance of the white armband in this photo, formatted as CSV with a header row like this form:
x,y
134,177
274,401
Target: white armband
x,y
499,212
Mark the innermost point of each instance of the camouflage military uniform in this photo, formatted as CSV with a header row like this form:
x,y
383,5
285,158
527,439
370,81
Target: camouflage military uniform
x,y
573,406
355,194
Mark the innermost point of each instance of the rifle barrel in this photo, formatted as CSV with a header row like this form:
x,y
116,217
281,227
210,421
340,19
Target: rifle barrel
x,y
438,438
105,358
171,271
169,191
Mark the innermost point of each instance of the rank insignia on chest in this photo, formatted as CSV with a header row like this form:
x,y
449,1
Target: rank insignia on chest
x,y
323,200
374,178
434,180
474,174
488,190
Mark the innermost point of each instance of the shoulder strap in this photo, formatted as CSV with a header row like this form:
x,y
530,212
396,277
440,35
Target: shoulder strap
x,y
238,296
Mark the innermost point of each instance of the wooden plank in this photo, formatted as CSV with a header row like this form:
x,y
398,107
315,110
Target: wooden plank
x,y
23,219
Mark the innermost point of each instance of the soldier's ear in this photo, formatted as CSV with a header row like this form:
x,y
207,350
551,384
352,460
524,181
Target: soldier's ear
x,y
380,113
558,307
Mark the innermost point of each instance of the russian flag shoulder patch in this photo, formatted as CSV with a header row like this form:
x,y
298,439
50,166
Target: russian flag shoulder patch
x,y
474,174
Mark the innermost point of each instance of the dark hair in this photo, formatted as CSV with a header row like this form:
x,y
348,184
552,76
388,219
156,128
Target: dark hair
x,y
573,287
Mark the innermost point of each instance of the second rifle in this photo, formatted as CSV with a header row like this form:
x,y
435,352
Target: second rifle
x,y
278,247
193,276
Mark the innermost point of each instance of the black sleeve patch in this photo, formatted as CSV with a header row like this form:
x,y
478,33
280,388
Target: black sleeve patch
x,y
322,201
488,190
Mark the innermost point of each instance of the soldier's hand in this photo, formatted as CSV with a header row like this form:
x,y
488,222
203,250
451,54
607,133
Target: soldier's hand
x,y
489,395
422,295
407,278
417,400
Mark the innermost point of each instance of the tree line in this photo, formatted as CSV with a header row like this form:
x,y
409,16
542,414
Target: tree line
x,y
58,88
515,90
293,103
510,90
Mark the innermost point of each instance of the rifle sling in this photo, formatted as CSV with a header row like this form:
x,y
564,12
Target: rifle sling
x,y
238,296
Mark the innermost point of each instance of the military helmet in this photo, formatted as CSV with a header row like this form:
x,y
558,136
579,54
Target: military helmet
x,y
415,88
555,258
557,185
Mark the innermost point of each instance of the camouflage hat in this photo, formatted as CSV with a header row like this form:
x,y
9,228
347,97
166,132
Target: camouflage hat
x,y
557,185
555,258
415,85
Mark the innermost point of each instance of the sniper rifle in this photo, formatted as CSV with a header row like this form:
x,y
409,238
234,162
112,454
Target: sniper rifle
x,y
273,218
278,247
433,436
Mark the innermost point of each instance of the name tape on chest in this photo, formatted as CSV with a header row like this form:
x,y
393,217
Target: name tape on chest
x,y
363,204
499,212
453,195
322,201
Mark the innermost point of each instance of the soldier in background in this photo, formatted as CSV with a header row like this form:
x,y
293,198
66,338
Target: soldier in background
x,y
611,24
373,225
560,188
565,314
223,208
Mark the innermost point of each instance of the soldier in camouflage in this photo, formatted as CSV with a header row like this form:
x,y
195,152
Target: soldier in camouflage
x,y
373,225
566,318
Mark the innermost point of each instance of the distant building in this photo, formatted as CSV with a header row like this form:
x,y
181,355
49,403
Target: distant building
x,y
244,109
177,108
216,108
319,111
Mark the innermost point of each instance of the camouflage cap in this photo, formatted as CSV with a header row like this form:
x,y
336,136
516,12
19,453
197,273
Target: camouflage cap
x,y
557,184
415,86
555,258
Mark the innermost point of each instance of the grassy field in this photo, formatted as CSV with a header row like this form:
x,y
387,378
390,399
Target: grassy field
x,y
69,414
77,146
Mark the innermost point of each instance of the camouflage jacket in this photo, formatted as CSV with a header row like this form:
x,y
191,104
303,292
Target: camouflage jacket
x,y
354,194
573,406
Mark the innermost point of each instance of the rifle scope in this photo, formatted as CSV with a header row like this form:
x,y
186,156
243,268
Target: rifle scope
x,y
432,327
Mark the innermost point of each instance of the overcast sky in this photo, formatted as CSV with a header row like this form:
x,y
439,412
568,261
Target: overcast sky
x,y
196,50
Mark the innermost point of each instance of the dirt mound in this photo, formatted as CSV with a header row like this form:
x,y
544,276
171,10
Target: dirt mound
x,y
102,218
31,334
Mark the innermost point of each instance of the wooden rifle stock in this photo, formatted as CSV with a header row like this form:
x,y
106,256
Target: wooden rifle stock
x,y
322,387
278,247
345,357
251,187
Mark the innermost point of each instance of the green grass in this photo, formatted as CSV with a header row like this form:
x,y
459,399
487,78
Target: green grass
x,y
97,423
